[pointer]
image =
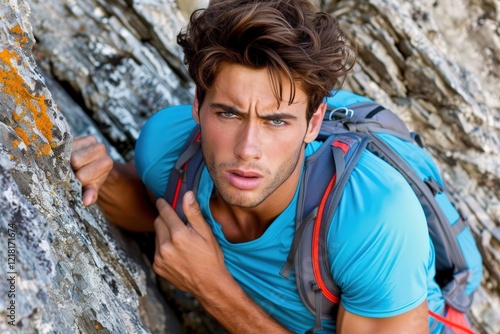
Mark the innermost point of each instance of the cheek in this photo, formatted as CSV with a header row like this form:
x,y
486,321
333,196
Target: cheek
x,y
284,147
218,143
291,140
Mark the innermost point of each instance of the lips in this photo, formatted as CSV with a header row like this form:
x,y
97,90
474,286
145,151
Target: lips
x,y
244,180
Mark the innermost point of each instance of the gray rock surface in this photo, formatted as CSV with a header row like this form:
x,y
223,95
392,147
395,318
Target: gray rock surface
x,y
110,64
69,271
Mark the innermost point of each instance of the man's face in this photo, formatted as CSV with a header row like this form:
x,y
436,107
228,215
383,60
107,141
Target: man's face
x,y
252,148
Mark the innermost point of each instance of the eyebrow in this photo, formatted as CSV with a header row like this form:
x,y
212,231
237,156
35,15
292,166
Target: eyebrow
x,y
271,117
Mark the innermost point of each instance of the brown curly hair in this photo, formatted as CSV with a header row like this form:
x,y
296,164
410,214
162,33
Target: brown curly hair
x,y
288,37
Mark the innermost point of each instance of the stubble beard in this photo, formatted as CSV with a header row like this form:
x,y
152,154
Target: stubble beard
x,y
232,198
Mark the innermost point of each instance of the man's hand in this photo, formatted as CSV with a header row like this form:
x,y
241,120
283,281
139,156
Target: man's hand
x,y
92,165
188,256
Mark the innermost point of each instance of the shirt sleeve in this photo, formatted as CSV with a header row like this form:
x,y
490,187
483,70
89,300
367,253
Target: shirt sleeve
x,y
379,243
160,143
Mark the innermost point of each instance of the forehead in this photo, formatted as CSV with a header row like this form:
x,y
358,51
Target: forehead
x,y
243,86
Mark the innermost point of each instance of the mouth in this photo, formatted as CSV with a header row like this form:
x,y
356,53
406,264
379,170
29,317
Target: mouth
x,y
244,180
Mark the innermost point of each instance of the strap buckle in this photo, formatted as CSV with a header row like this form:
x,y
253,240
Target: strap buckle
x,y
342,113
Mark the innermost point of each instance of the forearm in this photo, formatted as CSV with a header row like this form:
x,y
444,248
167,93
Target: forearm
x,y
125,200
236,311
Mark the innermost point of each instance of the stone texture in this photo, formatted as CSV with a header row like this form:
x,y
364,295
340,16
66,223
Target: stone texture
x,y
70,270
110,64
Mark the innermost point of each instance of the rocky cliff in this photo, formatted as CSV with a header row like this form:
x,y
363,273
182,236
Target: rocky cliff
x,y
69,68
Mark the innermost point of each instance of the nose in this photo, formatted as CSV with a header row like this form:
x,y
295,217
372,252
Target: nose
x,y
247,146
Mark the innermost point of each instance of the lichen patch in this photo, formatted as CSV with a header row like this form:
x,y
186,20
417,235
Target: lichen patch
x,y
33,105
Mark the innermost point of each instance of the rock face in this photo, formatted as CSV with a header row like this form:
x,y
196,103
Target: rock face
x,y
68,271
108,65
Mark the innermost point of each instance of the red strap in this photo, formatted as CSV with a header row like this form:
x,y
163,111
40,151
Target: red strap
x,y
179,180
178,188
317,229
315,244
343,146
454,319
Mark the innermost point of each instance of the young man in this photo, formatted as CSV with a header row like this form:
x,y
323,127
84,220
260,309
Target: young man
x,y
262,70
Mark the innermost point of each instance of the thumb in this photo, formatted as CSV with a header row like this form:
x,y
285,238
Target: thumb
x,y
193,214
89,195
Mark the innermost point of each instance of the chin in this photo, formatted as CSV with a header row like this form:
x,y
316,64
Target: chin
x,y
236,199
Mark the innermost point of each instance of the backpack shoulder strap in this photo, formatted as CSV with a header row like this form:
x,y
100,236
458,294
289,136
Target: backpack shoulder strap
x,y
325,175
369,116
186,173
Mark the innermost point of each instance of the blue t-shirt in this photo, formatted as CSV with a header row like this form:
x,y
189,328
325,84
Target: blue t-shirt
x,y
378,244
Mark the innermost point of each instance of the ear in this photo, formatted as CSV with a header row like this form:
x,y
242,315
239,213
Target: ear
x,y
195,110
315,123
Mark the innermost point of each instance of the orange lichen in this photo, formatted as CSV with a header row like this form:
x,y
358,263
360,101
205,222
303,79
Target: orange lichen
x,y
45,149
16,117
15,143
43,121
23,135
20,37
14,85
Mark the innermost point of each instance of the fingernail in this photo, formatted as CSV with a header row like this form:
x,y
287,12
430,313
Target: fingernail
x,y
190,197
86,201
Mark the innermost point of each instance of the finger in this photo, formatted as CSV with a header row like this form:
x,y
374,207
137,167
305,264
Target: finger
x,y
89,196
157,242
84,140
96,172
162,232
193,214
80,143
87,153
169,216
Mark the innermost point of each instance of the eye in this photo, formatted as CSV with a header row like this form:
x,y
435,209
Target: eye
x,y
277,122
227,114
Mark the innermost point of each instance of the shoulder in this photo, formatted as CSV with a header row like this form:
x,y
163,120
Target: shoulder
x,y
378,243
379,197
160,143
